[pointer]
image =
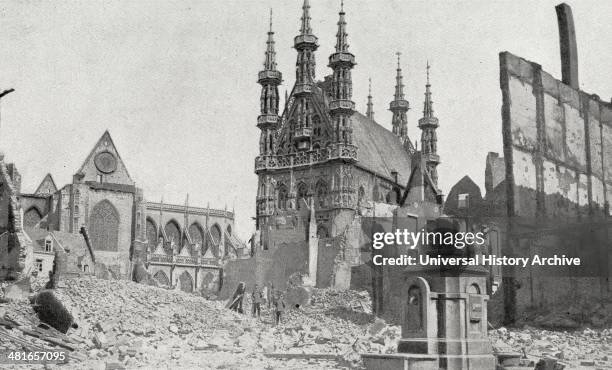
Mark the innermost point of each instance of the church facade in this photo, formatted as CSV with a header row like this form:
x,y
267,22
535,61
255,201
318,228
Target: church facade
x,y
180,246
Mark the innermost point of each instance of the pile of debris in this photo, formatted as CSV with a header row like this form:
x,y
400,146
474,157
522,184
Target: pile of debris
x,y
125,324
573,349
336,322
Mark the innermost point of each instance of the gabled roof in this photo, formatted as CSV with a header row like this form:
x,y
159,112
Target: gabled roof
x,y
105,143
71,243
379,150
47,186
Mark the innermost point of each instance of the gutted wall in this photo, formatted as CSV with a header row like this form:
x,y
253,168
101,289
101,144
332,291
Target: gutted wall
x,y
557,143
16,252
558,160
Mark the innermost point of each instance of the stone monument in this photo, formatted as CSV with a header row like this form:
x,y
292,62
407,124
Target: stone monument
x,y
444,322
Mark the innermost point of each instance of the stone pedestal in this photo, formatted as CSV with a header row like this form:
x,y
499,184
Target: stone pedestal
x,y
444,322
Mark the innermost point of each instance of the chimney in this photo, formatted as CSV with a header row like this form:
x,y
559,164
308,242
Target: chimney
x,y
394,174
567,43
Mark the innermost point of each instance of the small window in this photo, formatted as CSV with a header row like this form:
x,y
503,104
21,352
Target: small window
x,y
39,265
463,201
99,178
85,268
48,245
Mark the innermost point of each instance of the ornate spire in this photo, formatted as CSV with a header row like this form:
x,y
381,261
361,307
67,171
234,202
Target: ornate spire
x,y
269,79
305,29
429,139
400,106
305,43
428,120
341,105
341,36
399,85
270,61
370,105
428,105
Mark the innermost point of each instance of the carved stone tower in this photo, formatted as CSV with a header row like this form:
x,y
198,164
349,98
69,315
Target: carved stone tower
x,y
399,106
429,141
341,106
269,79
306,45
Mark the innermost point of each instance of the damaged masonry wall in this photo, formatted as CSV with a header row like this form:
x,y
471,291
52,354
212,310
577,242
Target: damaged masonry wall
x,y
557,141
558,156
16,252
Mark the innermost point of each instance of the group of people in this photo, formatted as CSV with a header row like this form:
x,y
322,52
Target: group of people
x,y
267,295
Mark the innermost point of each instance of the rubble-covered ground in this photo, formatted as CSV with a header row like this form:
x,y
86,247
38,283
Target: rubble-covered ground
x,y
585,348
121,323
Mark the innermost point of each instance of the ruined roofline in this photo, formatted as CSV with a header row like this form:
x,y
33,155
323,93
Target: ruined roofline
x,y
522,68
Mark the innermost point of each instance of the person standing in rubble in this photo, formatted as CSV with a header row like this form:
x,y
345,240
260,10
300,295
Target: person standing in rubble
x,y
264,294
270,295
236,302
279,307
257,299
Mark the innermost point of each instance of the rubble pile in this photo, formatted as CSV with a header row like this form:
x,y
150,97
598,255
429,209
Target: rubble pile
x,y
125,324
336,322
595,314
585,347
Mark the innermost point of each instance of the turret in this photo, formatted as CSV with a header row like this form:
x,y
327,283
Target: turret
x,y
306,44
429,140
341,106
269,79
399,106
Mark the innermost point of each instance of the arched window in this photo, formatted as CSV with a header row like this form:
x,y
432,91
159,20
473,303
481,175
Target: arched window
x,y
32,217
376,194
302,194
321,191
104,226
186,282
291,130
229,229
151,234
173,232
361,195
162,278
197,235
215,232
282,196
316,123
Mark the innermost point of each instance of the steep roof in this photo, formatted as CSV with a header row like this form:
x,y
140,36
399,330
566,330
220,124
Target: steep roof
x,y
379,150
71,243
117,175
47,186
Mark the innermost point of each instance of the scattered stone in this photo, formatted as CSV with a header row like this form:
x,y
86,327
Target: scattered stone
x,y
19,290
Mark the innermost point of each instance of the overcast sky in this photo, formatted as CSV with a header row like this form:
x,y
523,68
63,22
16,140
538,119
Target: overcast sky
x,y
175,81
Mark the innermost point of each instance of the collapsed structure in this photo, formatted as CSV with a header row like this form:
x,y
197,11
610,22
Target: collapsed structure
x,y
550,193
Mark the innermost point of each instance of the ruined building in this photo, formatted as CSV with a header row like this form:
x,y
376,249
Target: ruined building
x,y
323,166
550,193
103,223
